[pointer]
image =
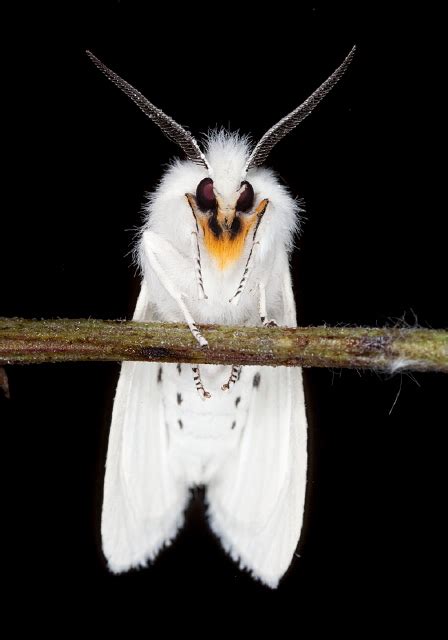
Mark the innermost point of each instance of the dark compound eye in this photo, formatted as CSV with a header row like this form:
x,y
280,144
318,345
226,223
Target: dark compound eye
x,y
246,199
205,196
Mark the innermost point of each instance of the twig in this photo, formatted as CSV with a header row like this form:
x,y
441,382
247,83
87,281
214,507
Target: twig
x,y
36,341
4,385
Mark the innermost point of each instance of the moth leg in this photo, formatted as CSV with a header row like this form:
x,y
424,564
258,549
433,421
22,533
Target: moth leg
x,y
234,376
247,271
150,247
262,307
195,247
197,265
198,382
250,260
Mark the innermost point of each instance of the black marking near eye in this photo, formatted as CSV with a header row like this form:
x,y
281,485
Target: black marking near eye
x,y
180,423
179,398
246,199
233,425
256,380
235,226
205,196
237,401
179,368
214,226
159,375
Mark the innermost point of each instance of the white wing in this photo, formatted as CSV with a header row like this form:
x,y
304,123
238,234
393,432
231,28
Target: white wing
x,y
143,501
256,499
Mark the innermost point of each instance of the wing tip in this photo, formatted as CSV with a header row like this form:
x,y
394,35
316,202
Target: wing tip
x,y
121,556
269,579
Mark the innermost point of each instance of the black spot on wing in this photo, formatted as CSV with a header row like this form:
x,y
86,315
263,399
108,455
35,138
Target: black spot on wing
x,y
180,423
233,425
179,398
237,401
256,380
179,368
159,375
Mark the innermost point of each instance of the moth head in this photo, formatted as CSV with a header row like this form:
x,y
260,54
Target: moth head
x,y
224,202
226,217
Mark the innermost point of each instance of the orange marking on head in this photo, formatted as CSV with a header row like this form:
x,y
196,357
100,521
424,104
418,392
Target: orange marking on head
x,y
226,248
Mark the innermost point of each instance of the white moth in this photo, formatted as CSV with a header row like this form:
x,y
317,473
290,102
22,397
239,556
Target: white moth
x,y
214,249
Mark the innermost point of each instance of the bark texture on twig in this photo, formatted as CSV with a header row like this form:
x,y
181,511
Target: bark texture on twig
x,y
389,349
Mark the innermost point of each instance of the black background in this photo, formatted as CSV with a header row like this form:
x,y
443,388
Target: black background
x,y
78,159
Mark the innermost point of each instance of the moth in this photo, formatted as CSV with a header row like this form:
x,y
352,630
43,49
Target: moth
x,y
214,248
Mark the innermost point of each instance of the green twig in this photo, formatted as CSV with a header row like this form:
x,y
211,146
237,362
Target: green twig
x,y
392,349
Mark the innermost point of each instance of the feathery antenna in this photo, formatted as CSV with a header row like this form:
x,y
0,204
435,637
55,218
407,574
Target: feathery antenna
x,y
170,127
289,122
